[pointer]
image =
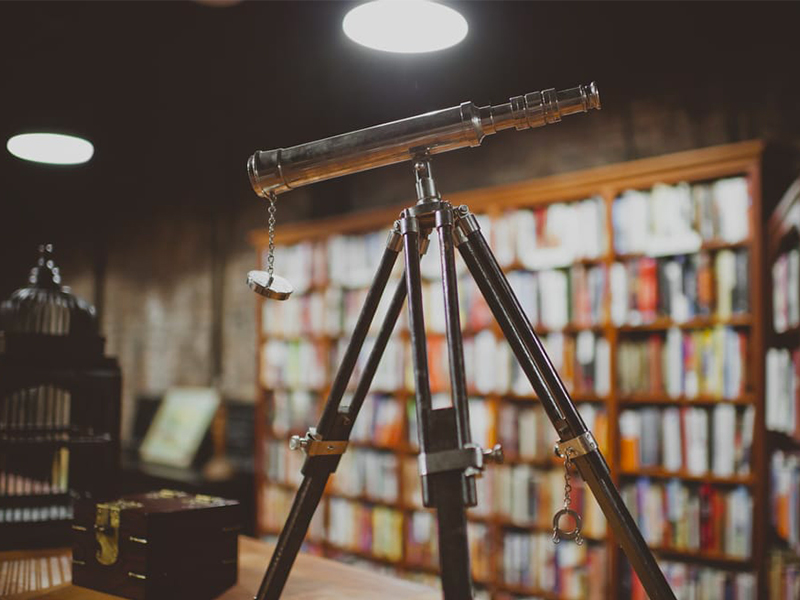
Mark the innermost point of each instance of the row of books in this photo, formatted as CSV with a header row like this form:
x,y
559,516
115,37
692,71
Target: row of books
x,y
369,473
668,219
782,391
784,576
684,517
294,364
40,409
35,514
677,219
786,291
641,290
292,410
43,472
702,583
373,529
532,560
703,362
785,496
555,298
680,288
699,441
29,574
380,421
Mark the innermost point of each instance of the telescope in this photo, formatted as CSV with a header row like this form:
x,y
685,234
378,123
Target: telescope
x,y
283,169
448,460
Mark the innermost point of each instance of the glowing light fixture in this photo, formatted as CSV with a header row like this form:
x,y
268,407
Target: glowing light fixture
x,y
51,148
406,26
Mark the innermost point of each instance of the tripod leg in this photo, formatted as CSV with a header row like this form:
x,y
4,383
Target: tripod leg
x,y
557,403
437,431
335,425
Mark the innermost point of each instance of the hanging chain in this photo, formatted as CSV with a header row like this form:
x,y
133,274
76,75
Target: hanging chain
x,y
567,486
272,209
558,533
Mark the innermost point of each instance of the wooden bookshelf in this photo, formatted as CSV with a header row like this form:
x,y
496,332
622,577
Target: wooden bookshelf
x,y
606,185
782,556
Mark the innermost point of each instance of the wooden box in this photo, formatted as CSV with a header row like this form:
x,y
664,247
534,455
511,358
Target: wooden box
x,y
158,545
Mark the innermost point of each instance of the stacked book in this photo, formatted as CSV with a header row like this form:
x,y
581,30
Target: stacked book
x,y
782,398
701,362
680,288
785,497
678,219
786,291
700,441
674,515
370,529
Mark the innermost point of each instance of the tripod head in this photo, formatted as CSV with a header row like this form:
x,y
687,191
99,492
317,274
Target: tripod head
x,y
277,171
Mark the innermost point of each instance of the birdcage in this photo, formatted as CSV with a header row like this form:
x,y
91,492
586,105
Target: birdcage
x,y
59,409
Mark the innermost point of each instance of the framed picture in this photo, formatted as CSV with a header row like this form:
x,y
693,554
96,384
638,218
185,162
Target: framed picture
x,y
179,425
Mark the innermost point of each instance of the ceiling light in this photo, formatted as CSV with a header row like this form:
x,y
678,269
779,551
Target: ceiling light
x,y
51,148
407,26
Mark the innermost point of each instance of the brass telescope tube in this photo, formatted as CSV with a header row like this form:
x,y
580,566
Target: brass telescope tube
x,y
283,169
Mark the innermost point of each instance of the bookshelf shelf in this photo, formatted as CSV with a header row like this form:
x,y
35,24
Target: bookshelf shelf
x,y
736,562
658,473
574,304
707,246
646,399
698,323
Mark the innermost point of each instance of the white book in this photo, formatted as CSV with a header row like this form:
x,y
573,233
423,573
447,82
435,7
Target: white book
x,y
732,199
618,280
674,362
672,447
525,235
725,276
697,443
724,428
793,284
602,367
504,239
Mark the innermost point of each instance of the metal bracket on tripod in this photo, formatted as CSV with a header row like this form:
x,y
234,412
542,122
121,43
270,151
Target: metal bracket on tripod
x,y
312,444
472,459
577,446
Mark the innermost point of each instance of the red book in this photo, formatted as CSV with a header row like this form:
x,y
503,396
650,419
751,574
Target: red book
x,y
648,288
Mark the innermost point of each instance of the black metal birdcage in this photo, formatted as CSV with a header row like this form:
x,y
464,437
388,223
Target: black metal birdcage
x,y
59,410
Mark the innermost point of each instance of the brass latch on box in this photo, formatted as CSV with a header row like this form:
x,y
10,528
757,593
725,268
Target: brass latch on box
x,y
106,529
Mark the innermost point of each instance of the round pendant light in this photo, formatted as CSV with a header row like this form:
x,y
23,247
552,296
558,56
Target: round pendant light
x,y
51,148
405,26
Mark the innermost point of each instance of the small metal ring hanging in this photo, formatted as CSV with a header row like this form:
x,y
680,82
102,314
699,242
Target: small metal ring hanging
x,y
560,534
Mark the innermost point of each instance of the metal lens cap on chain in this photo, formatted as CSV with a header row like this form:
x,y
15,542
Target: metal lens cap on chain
x,y
269,286
266,283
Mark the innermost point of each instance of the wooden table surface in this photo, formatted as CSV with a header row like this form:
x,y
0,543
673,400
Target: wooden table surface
x,y
312,578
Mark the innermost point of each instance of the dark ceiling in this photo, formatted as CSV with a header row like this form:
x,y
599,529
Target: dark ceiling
x,y
176,95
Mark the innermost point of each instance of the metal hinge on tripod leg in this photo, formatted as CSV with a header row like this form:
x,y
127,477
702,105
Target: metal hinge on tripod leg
x,y
577,446
471,459
313,444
